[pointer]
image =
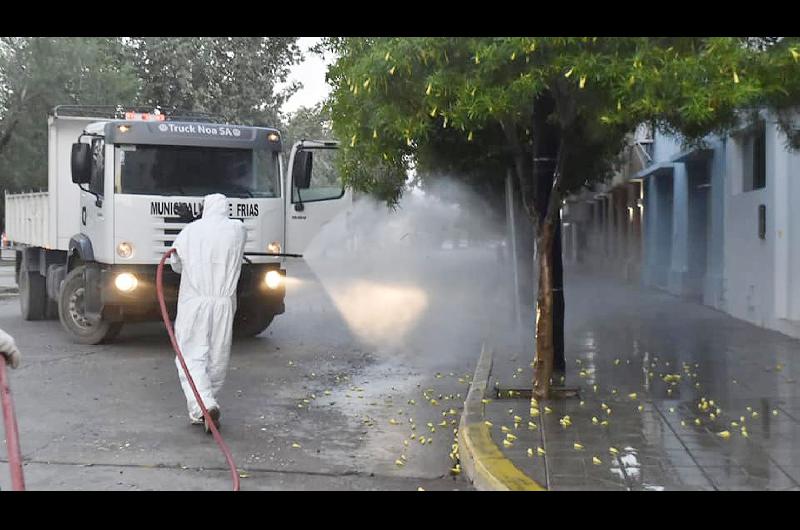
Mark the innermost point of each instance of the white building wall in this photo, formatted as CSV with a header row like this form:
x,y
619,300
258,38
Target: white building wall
x,y
762,276
665,148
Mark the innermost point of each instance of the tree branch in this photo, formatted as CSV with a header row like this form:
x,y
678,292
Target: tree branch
x,y
523,176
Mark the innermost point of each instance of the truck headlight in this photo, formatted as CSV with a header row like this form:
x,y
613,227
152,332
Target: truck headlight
x,y
274,247
273,279
125,250
126,282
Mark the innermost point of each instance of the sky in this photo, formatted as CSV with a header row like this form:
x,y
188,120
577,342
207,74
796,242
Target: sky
x,y
310,72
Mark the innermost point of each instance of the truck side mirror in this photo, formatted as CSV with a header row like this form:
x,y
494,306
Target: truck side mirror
x,y
81,163
301,170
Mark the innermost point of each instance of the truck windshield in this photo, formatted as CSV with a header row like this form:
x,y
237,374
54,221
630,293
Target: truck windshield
x,y
184,170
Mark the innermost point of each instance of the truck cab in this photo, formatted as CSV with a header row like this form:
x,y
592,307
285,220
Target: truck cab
x,y
135,183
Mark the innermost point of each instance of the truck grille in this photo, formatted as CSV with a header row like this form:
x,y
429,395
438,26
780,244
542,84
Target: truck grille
x,y
166,229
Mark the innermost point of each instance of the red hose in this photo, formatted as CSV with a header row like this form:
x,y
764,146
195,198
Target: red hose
x,y
12,434
217,436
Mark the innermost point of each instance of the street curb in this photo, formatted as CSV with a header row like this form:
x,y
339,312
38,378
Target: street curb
x,y
483,462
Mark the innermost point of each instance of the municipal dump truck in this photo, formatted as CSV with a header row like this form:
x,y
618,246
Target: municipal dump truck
x,y
122,183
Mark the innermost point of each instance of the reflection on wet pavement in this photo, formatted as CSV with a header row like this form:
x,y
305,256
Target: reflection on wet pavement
x,y
673,396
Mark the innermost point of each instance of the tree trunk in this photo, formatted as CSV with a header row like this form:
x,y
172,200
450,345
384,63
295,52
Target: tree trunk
x,y
548,155
543,362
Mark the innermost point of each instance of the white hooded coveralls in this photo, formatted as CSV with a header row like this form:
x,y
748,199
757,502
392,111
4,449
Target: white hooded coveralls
x,y
209,259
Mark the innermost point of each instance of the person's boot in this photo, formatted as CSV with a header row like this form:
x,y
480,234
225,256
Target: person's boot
x,y
215,414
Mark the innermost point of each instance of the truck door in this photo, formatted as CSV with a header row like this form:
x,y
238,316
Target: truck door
x,y
94,207
315,193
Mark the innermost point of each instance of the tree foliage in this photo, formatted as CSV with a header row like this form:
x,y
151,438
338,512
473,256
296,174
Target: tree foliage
x,y
36,74
307,123
235,78
392,97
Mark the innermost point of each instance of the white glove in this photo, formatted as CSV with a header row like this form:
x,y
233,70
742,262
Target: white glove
x,y
175,262
9,349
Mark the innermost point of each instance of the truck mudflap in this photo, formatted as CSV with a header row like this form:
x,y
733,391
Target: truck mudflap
x,y
92,296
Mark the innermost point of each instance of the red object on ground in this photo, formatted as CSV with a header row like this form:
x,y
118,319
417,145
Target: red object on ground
x,y
12,435
217,436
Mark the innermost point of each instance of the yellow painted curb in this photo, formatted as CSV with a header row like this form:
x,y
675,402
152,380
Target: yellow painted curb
x,y
491,468
484,462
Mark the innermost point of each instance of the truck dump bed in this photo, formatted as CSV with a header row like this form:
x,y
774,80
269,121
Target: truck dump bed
x,y
49,219
27,218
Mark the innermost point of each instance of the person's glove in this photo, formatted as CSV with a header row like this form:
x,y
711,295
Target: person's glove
x,y
9,349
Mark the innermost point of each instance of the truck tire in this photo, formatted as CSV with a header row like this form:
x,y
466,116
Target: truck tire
x,y
71,313
32,294
250,321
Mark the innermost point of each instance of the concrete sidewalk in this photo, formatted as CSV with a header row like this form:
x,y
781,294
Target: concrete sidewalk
x,y
673,396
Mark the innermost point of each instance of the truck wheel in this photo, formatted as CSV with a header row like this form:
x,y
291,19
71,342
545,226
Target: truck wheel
x,y
72,314
250,321
32,294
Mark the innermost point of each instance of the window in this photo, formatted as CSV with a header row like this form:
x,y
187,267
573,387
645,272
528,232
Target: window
x,y
185,170
754,159
326,183
98,166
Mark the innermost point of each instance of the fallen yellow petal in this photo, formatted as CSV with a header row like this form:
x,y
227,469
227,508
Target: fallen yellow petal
x,y
724,434
577,446
596,461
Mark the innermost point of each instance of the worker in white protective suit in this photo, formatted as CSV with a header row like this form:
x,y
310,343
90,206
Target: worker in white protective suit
x,y
9,350
208,255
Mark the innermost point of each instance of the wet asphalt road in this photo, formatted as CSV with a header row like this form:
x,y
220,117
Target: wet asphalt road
x,y
315,403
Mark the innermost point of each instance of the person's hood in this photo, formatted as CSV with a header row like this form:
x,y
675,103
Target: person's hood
x,y
215,206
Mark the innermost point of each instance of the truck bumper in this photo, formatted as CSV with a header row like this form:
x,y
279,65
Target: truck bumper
x,y
142,302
